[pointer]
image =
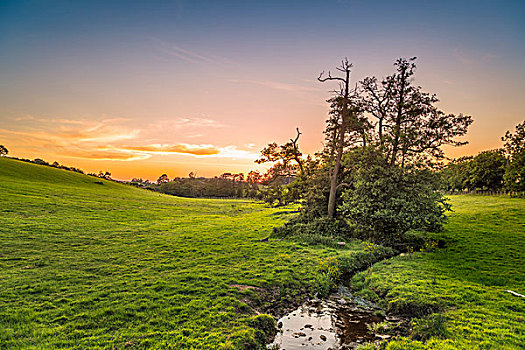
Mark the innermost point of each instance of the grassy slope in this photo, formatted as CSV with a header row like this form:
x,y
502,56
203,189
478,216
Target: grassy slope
x,y
89,265
484,256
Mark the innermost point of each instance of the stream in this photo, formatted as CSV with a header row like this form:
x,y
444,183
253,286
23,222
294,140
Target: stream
x,y
341,321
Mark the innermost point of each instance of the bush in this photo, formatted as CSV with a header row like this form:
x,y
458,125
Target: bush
x,y
265,327
385,202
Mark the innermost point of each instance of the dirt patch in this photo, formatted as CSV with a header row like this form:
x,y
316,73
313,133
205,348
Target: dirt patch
x,y
243,287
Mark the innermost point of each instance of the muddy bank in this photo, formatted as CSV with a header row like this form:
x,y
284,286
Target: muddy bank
x,y
342,321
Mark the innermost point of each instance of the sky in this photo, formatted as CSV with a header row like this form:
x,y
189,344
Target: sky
x,y
142,88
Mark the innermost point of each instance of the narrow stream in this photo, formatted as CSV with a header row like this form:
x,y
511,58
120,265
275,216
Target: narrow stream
x,y
339,322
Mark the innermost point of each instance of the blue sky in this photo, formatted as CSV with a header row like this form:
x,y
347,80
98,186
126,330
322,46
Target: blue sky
x,y
236,75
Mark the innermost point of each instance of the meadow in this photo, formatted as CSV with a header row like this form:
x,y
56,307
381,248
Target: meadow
x,y
459,292
90,263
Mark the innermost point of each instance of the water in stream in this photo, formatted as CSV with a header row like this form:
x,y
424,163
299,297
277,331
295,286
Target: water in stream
x,y
340,322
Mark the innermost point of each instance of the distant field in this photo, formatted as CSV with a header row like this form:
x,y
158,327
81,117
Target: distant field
x,y
466,280
86,265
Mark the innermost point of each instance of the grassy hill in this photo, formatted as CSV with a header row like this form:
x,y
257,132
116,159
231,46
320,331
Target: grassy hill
x,y
108,265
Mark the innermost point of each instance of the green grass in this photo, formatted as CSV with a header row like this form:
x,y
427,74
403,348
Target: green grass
x,y
85,265
466,280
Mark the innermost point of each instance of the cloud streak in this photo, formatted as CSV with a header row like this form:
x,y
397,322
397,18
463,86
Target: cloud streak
x,y
189,56
276,85
114,139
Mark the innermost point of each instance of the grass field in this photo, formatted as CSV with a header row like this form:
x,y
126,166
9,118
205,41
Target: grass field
x,y
87,265
466,281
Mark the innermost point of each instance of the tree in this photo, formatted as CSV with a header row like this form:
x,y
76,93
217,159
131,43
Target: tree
x,y
3,151
254,177
410,129
384,202
486,170
283,155
515,150
340,130
162,179
104,175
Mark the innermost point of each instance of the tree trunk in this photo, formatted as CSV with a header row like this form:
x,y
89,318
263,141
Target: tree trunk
x,y
340,148
399,117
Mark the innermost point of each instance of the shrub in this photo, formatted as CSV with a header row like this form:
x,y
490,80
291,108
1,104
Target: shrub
x,y
385,202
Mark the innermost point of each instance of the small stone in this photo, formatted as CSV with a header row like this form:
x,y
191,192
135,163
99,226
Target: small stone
x,y
323,337
341,243
280,325
341,301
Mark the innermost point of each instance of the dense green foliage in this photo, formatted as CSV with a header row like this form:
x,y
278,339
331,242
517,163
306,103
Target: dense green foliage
x,y
90,263
482,172
382,203
466,280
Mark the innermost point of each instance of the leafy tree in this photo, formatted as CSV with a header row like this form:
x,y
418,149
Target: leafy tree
x,y
382,139
486,170
3,151
283,156
385,202
162,179
455,175
409,127
515,150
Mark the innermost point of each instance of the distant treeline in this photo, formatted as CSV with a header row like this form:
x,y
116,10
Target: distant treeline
x,y
53,165
227,185
494,171
210,187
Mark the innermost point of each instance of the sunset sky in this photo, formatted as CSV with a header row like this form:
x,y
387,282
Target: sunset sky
x,y
142,88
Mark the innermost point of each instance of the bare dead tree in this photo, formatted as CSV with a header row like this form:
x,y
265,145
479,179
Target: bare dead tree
x,y
296,153
344,87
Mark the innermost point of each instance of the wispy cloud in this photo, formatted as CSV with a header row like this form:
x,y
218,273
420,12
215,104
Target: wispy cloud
x,y
188,55
117,138
277,85
473,58
197,150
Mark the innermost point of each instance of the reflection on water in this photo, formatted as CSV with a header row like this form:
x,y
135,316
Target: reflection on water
x,y
340,322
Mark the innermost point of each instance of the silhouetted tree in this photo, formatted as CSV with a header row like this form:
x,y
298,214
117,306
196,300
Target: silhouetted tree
x,y
162,179
3,151
410,128
283,156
